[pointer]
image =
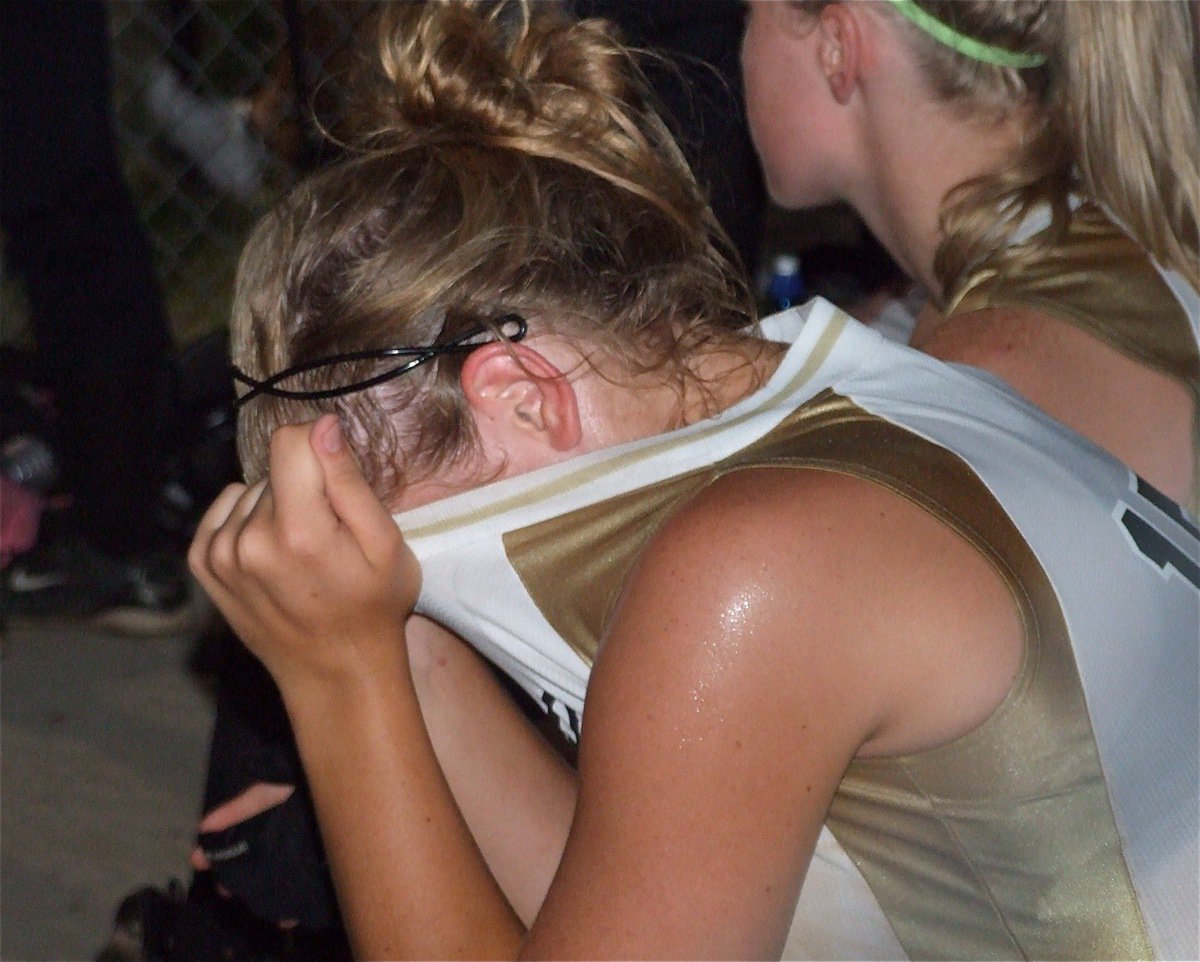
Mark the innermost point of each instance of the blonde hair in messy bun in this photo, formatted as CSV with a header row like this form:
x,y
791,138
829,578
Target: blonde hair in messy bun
x,y
507,160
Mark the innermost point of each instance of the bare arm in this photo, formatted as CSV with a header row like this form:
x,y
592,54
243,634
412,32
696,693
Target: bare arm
x,y
319,584
515,791
783,623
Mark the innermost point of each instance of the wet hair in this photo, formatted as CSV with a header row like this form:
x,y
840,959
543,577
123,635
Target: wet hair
x,y
1112,117
507,159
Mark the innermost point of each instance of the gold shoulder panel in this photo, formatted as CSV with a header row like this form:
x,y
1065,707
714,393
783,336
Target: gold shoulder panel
x,y
1098,279
574,565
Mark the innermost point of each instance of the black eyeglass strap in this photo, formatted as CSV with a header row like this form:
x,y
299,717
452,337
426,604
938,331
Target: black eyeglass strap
x,y
459,344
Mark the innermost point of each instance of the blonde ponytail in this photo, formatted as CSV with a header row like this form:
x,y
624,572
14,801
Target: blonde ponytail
x,y
1112,116
1133,120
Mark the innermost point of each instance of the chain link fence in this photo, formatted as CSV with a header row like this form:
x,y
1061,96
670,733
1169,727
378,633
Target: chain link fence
x,y
216,105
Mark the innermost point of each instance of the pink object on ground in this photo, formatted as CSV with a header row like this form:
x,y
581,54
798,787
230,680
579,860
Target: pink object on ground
x,y
20,512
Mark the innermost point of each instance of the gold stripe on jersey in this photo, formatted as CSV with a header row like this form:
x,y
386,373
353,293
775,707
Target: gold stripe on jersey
x,y
567,479
1001,843
1098,279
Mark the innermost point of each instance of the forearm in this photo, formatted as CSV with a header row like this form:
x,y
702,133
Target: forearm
x,y
516,793
411,881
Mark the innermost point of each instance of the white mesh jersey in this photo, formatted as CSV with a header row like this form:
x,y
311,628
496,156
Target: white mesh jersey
x,y
1066,825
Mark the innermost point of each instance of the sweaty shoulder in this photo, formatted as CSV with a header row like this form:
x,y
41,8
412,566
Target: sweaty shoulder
x,y
780,623
837,590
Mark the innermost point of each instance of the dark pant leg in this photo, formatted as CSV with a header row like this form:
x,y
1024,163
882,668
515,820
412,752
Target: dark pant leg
x,y
274,864
73,236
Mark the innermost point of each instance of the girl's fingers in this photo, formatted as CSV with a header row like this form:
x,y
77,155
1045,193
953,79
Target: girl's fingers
x,y
246,505
213,556
218,512
210,523
299,485
352,499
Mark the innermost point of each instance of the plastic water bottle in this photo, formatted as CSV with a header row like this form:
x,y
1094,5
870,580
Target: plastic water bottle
x,y
785,286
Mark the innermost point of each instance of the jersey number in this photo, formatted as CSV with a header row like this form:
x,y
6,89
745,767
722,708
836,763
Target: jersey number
x,y
1173,544
568,718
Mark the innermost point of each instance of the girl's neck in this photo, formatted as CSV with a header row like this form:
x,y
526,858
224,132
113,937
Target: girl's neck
x,y
721,378
916,153
616,407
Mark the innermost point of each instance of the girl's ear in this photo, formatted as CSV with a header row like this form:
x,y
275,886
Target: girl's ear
x,y
514,389
840,48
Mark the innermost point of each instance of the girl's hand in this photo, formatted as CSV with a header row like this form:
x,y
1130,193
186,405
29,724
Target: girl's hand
x,y
309,569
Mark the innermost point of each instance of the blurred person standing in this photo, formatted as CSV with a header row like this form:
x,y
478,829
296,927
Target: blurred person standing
x,y
103,344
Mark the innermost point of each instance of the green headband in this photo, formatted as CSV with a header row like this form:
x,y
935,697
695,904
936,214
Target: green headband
x,y
968,46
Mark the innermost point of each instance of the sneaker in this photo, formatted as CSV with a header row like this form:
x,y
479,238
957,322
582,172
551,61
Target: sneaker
x,y
153,925
66,578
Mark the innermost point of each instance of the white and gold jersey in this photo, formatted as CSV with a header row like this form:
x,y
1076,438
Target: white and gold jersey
x,y
1066,825
1095,277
